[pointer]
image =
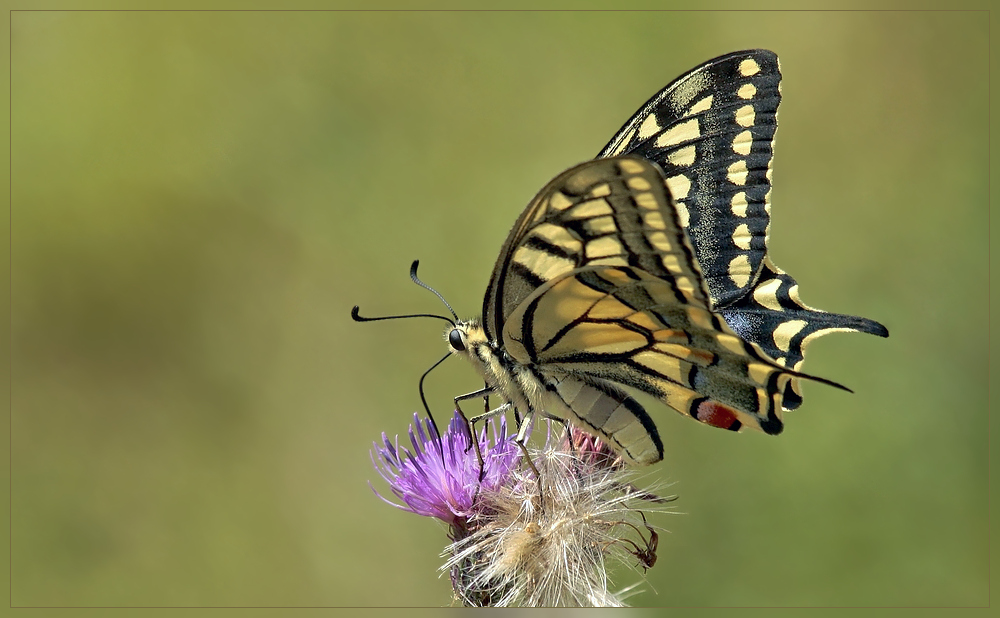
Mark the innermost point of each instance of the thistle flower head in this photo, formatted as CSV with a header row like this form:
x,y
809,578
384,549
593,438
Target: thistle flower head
x,y
439,477
523,535
547,540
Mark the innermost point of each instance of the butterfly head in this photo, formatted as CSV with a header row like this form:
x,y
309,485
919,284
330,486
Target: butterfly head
x,y
465,336
468,340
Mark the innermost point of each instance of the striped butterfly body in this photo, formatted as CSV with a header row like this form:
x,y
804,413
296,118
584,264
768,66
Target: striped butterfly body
x,y
647,268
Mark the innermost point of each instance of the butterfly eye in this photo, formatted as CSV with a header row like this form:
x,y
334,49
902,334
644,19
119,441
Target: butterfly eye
x,y
455,339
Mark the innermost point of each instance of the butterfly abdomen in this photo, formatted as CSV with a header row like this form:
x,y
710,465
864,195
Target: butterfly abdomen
x,y
605,411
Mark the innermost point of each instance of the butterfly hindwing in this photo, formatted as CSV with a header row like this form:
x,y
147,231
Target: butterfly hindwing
x,y
679,352
633,311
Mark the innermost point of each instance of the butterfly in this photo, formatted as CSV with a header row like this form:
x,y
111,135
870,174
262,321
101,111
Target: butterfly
x,y
647,268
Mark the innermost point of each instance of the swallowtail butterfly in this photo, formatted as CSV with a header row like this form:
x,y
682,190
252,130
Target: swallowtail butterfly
x,y
648,268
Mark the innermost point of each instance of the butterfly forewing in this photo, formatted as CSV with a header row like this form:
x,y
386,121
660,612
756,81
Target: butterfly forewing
x,y
607,212
712,132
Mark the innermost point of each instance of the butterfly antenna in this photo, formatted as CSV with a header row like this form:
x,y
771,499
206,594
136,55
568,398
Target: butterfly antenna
x,y
360,318
413,275
420,387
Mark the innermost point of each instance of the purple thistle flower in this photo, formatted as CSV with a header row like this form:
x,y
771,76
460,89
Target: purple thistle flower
x,y
439,477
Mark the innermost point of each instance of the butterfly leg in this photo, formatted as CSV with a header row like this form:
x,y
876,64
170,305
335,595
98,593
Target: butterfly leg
x,y
566,432
469,424
501,409
524,428
485,394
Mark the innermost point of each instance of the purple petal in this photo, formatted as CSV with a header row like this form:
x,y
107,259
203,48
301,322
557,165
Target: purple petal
x,y
443,481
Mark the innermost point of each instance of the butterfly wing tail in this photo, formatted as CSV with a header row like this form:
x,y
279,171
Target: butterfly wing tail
x,y
774,319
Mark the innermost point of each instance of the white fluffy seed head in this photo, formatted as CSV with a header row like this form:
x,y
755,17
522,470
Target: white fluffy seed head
x,y
548,543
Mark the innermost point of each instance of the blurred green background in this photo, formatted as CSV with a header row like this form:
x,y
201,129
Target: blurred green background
x,y
198,199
